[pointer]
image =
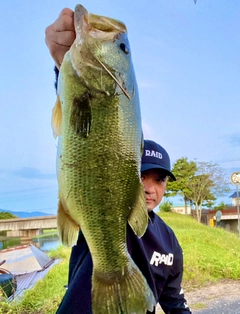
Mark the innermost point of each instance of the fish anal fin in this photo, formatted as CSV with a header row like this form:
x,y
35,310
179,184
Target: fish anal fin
x,y
81,116
138,219
68,229
57,118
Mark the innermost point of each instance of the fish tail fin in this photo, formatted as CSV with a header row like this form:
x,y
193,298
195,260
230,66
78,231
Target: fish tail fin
x,y
126,292
67,228
138,219
57,118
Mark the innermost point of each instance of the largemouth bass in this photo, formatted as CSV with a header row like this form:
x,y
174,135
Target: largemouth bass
x,y
98,123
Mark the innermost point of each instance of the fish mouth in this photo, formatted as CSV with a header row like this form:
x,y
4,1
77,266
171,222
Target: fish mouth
x,y
97,26
106,24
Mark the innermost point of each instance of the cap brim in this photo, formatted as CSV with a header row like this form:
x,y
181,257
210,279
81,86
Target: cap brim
x,y
146,167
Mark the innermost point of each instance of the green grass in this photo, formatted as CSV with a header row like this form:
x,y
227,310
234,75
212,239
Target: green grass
x,y
47,233
210,254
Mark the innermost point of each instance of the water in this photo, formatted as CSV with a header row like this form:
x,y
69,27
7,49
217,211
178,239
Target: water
x,y
47,243
10,242
44,244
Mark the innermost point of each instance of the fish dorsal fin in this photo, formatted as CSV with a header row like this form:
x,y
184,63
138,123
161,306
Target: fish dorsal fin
x,y
57,118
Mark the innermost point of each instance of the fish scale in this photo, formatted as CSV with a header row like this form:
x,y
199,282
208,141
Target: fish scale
x,y
97,120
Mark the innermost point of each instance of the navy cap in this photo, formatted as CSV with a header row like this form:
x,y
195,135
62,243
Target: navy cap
x,y
155,157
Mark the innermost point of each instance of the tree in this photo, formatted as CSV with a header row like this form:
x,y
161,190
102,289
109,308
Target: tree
x,y
209,181
184,171
200,190
6,215
198,182
210,201
220,206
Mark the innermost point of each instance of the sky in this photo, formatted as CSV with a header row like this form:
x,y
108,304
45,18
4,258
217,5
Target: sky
x,y
187,63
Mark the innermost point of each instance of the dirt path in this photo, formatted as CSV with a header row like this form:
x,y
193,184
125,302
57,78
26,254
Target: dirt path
x,y
202,298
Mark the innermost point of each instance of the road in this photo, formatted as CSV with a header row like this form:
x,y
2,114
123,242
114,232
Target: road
x,y
222,307
222,297
217,307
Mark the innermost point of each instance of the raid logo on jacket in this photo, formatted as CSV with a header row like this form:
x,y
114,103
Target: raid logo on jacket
x,y
158,259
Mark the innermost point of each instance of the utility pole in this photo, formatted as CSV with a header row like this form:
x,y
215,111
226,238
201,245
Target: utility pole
x,y
235,178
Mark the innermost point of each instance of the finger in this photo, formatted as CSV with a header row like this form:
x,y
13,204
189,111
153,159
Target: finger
x,y
59,40
67,11
65,38
58,44
65,21
62,31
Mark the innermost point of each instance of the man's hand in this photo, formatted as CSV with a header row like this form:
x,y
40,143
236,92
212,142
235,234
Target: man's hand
x,y
60,35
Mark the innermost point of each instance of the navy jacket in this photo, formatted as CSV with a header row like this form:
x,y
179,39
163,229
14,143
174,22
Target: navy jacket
x,y
157,254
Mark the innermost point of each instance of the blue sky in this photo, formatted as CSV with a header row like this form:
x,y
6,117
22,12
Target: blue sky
x,y
187,62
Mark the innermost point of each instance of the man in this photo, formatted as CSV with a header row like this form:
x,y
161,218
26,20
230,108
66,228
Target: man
x,y
158,253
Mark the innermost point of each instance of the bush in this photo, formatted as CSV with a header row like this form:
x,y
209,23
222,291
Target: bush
x,y
165,207
6,215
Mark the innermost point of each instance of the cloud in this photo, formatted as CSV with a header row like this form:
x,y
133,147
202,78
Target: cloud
x,y
228,160
233,139
33,173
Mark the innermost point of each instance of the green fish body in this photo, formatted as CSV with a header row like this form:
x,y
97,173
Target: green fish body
x,y
98,123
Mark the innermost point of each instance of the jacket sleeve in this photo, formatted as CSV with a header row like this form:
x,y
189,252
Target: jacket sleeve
x,y
77,298
77,258
56,77
172,298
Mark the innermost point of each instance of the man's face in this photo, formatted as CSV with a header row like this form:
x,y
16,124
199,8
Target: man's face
x,y
154,182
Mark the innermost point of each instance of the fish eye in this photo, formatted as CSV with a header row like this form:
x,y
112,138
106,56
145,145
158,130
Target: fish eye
x,y
124,48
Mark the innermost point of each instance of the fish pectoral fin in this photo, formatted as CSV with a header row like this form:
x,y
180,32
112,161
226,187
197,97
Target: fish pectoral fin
x,y
57,118
68,229
138,219
81,116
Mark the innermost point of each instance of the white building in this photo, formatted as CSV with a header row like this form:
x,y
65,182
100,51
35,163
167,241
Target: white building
x,y
234,198
180,209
